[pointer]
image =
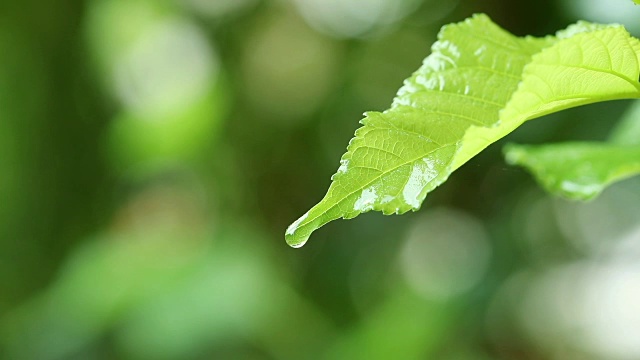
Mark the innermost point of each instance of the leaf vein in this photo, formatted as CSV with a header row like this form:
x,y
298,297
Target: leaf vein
x,y
376,178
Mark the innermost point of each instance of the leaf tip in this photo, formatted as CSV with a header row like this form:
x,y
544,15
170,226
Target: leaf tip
x,y
295,242
294,235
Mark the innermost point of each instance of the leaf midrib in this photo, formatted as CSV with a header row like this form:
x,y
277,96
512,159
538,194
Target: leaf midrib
x,y
622,76
376,178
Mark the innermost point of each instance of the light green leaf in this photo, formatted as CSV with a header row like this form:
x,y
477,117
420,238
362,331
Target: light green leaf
x,y
576,170
479,84
582,170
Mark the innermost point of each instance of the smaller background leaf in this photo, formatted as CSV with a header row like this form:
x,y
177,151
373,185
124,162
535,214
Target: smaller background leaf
x,y
580,170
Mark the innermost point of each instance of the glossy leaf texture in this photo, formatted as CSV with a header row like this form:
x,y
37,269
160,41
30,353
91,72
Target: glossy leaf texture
x,y
479,84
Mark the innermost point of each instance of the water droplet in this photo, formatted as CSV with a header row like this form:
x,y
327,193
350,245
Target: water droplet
x,y
298,244
293,238
585,191
421,175
344,165
480,50
366,200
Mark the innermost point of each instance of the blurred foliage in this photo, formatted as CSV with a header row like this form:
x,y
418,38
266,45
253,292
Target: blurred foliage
x,y
152,151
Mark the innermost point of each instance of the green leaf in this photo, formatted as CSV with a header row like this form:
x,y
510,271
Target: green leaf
x,y
581,171
577,171
479,84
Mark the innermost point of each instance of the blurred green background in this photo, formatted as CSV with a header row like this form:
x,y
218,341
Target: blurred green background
x,y
153,152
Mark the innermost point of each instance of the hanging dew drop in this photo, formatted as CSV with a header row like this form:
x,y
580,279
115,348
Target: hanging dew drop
x,y
298,244
292,235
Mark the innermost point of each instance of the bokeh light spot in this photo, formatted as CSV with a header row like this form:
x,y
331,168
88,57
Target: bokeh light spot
x,y
446,254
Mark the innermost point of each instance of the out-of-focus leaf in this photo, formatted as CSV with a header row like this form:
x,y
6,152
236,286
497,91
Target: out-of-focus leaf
x,y
148,144
165,294
576,170
478,85
391,331
165,74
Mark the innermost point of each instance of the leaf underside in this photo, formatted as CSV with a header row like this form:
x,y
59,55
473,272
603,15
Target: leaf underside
x,y
479,84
